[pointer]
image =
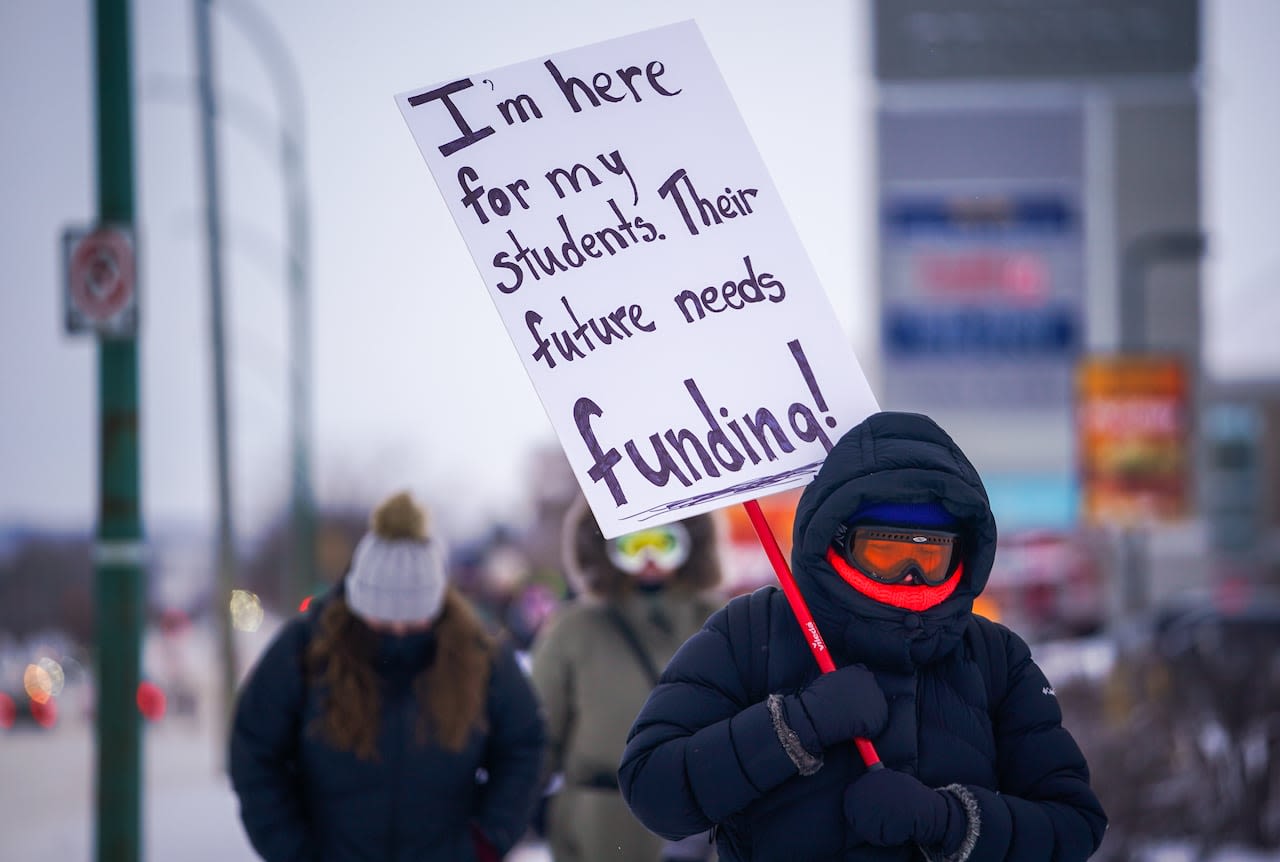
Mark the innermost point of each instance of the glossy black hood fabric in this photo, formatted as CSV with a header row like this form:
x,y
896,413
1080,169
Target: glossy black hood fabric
x,y
894,458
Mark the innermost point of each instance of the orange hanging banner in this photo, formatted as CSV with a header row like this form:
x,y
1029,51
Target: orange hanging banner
x,y
1133,431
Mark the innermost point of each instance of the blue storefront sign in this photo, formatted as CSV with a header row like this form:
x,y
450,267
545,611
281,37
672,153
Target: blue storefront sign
x,y
982,269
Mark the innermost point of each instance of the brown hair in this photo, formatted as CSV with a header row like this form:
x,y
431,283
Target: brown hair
x,y
450,691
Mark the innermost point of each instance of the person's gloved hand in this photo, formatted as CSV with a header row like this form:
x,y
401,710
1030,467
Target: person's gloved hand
x,y
890,808
836,707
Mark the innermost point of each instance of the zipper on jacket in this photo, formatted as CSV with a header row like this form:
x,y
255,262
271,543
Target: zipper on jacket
x,y
398,795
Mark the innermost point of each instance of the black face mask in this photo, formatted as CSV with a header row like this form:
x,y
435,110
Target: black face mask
x,y
406,651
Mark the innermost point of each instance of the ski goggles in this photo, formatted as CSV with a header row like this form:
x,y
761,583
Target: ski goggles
x,y
666,547
890,554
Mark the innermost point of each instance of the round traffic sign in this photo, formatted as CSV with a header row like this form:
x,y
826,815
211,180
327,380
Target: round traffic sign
x,y
102,275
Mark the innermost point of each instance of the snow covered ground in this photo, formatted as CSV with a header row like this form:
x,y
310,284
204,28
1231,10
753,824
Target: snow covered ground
x,y
46,801
189,811
47,806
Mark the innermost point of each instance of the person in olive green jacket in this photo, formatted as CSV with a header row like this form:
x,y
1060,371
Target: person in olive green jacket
x,y
642,595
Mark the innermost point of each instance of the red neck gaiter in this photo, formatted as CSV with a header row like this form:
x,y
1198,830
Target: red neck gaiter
x,y
911,597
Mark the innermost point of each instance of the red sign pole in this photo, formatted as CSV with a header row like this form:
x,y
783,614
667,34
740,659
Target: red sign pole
x,y
800,608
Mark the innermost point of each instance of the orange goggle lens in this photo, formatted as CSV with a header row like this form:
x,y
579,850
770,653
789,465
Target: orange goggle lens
x,y
889,554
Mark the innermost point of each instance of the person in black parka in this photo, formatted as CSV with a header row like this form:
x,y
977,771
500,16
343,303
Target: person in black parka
x,y
386,724
744,734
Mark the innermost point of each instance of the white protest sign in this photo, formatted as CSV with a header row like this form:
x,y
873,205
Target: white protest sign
x,y
647,273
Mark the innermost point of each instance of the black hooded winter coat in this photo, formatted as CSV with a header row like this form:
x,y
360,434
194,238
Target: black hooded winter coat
x,y
967,705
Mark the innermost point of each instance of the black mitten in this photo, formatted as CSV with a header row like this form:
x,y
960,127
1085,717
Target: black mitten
x,y
836,707
890,808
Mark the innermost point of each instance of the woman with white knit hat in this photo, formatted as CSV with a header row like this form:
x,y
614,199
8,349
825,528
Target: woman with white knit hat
x,y
385,723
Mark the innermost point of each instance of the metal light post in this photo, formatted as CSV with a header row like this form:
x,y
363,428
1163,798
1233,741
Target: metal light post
x,y
272,51
275,56
270,48
226,549
119,562
1140,256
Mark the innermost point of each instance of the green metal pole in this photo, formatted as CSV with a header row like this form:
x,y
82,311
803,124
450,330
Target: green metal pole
x,y
119,572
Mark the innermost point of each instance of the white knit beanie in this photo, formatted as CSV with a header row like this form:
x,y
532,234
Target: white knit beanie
x,y
397,573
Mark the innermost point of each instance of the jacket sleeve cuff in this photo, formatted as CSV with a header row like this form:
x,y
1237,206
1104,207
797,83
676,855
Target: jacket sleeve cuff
x,y
972,823
805,762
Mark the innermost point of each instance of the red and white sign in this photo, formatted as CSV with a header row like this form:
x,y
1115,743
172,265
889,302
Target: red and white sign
x,y
101,286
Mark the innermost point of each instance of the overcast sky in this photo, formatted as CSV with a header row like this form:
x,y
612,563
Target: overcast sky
x,y
416,382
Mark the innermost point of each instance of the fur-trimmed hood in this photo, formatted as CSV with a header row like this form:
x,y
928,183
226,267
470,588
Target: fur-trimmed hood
x,y
589,570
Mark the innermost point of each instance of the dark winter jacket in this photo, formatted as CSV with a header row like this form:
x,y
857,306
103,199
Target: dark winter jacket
x,y
967,705
303,800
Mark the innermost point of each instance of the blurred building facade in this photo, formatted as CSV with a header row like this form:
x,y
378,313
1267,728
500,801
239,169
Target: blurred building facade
x,y
1039,184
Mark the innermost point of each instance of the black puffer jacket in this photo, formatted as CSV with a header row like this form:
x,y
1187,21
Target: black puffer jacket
x,y
302,800
967,705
